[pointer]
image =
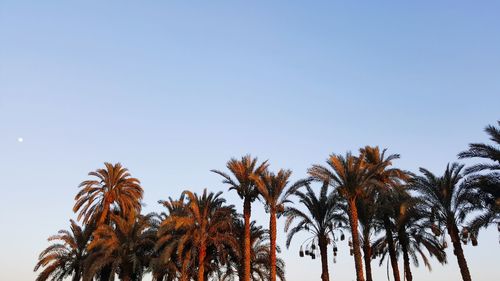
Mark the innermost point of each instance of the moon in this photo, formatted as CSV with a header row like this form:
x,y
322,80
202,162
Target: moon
x,y
20,139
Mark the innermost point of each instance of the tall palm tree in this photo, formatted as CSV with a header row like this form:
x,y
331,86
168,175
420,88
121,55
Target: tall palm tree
x,y
324,212
65,258
450,200
486,177
113,189
272,188
377,202
206,222
351,176
413,234
126,245
244,171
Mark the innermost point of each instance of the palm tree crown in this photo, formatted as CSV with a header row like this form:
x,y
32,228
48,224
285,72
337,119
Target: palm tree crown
x,y
66,258
324,214
126,246
205,223
486,177
450,200
114,189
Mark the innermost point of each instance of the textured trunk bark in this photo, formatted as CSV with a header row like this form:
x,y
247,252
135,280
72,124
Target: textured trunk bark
x,y
353,219
272,228
406,258
392,249
367,254
247,210
184,276
201,261
458,251
323,247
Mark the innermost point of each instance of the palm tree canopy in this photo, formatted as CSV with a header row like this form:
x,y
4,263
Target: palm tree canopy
x,y
485,178
324,212
485,151
66,257
244,171
113,189
273,188
449,197
127,245
201,221
411,220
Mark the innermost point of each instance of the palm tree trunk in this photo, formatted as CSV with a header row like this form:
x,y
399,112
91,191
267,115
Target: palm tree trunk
x,y
458,251
406,258
184,276
367,254
201,261
247,209
392,249
353,219
323,247
272,229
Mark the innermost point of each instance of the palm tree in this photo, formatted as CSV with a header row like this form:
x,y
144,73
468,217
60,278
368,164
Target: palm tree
x,y
204,223
413,234
126,246
487,182
271,188
113,189
167,265
323,214
66,258
450,200
377,202
260,253
351,176
244,171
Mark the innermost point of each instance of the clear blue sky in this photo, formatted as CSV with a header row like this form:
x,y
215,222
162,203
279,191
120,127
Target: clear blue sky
x,y
175,89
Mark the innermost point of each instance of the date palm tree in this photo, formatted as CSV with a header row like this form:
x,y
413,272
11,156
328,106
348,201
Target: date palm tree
x,y
324,213
126,246
450,200
168,264
485,177
66,257
351,176
272,188
413,234
204,224
244,172
112,189
377,202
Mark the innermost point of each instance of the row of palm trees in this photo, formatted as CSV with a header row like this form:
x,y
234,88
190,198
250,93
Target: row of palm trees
x,y
386,212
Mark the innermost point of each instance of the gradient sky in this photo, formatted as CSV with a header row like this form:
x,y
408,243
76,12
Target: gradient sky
x,y
172,90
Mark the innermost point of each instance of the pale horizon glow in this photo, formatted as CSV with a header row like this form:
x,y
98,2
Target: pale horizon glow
x,y
174,89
